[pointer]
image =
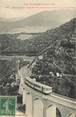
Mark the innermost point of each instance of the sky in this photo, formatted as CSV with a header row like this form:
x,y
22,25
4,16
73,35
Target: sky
x,y
17,9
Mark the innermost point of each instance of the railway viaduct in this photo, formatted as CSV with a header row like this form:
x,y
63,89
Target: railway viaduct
x,y
41,105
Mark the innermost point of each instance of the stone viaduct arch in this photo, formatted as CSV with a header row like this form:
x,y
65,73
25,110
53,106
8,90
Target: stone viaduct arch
x,y
58,113
29,103
51,111
52,105
38,108
37,105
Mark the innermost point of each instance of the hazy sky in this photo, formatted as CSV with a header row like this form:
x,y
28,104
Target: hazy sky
x,y
19,8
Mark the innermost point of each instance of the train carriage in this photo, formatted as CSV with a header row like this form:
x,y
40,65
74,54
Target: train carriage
x,y
38,86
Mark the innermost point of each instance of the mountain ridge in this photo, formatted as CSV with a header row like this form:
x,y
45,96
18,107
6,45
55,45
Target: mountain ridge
x,y
46,19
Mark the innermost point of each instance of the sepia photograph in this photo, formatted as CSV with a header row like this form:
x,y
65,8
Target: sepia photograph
x,y
38,58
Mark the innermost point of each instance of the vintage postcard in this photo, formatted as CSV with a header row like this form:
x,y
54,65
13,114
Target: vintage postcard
x,y
37,58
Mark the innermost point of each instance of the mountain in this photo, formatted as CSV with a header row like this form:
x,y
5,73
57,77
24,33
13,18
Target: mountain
x,y
15,43
34,44
39,22
57,66
58,50
51,37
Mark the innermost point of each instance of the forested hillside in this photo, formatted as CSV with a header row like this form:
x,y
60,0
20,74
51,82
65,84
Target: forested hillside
x,y
57,66
8,70
38,42
15,44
